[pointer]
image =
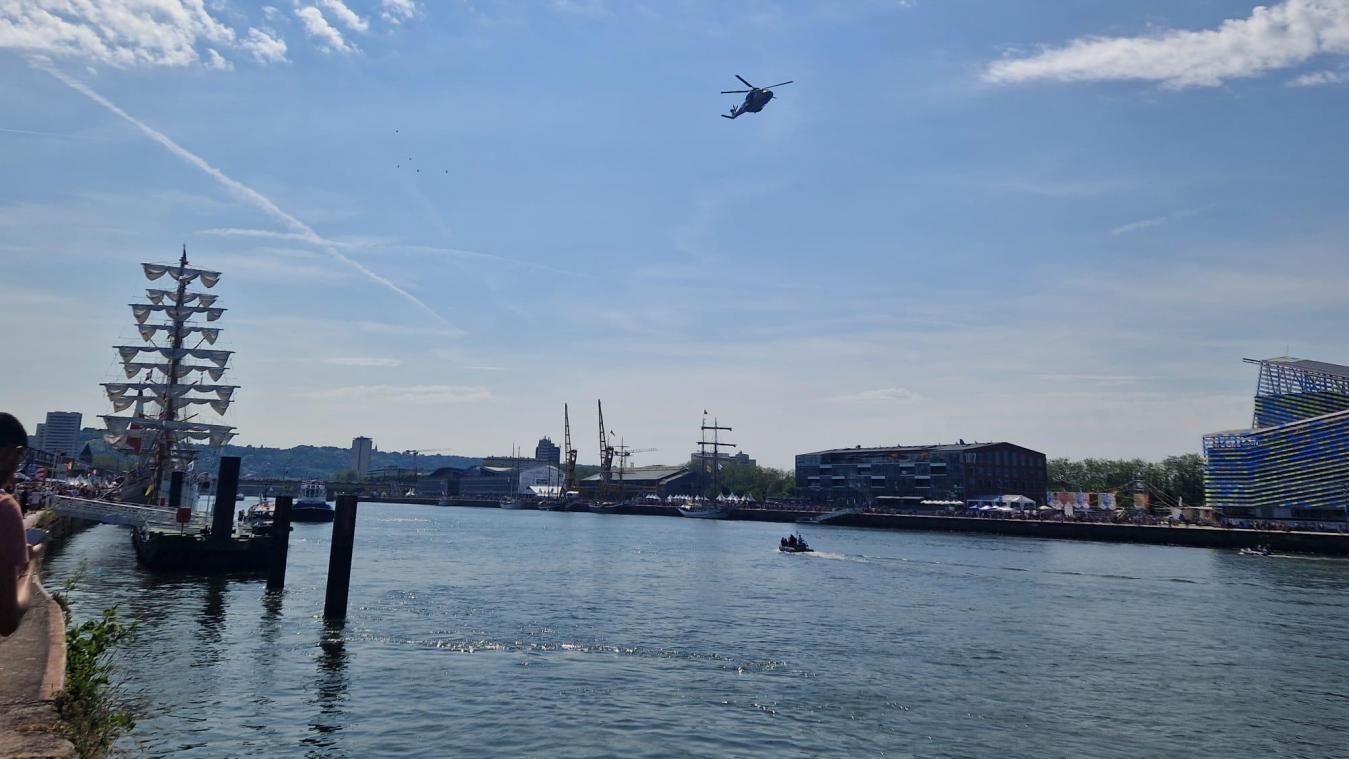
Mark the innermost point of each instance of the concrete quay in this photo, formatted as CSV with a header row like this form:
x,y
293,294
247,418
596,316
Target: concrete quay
x,y
32,673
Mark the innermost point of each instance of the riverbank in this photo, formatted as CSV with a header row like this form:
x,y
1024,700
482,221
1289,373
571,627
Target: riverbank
x,y
32,673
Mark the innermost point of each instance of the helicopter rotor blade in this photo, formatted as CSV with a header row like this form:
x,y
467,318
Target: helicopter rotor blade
x,y
742,79
779,84
728,92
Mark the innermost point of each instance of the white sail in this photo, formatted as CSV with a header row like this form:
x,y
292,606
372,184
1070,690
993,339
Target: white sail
x,y
158,297
132,368
217,357
148,331
154,271
142,311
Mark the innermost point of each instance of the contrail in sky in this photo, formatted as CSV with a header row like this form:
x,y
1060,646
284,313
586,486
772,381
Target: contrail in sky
x,y
241,190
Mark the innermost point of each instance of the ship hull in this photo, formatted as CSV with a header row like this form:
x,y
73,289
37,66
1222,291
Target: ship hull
x,y
172,552
311,511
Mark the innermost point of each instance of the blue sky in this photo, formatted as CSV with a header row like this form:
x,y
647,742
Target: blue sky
x,y
1057,224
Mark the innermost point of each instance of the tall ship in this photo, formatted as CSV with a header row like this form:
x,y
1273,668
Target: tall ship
x,y
174,391
714,508
167,414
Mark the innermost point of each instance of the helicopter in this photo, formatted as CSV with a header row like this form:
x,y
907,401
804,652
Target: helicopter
x,y
755,98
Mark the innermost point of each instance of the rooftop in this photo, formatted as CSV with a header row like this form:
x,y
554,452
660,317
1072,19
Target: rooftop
x,y
643,474
1305,365
961,446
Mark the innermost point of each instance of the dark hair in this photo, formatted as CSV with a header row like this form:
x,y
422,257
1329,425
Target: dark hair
x,y
12,433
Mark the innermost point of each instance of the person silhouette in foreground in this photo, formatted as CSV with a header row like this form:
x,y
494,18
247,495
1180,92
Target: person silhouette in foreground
x,y
18,560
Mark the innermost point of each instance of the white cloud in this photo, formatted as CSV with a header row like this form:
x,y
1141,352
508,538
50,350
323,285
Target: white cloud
x,y
369,361
397,11
238,189
216,62
883,394
419,394
326,35
594,9
113,32
1156,221
1271,38
1135,226
263,233
1320,78
264,46
346,16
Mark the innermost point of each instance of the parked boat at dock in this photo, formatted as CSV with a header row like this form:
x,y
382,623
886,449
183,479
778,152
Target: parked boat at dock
x,y
312,505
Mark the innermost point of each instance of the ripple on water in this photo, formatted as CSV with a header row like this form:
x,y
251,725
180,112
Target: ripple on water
x,y
482,632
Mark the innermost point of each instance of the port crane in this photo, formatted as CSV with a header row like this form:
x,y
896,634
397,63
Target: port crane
x,y
606,453
569,479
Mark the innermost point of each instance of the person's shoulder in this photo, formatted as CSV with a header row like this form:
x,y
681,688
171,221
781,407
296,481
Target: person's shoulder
x,y
8,505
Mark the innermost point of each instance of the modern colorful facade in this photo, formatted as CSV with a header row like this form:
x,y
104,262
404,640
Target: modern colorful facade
x,y
1293,462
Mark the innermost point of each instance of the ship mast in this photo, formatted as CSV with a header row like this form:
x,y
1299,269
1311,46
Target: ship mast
x,y
172,435
716,445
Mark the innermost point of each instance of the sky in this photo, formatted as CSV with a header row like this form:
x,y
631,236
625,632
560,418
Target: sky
x,y
1057,224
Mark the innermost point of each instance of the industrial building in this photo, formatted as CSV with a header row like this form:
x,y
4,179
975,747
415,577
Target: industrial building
x,y
703,460
495,481
1293,462
907,476
639,482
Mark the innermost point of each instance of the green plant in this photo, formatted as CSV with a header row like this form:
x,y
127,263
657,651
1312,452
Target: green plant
x,y
94,713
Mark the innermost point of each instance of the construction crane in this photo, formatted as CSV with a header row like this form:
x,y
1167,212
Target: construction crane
x,y
569,481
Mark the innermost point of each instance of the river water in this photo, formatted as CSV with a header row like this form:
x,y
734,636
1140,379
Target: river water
x,y
483,632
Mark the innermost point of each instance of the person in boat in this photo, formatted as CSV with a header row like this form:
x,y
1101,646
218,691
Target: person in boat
x,y
791,541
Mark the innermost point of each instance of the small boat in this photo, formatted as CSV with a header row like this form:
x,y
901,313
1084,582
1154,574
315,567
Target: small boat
x,y
704,510
312,505
1257,551
240,498
794,544
513,502
259,517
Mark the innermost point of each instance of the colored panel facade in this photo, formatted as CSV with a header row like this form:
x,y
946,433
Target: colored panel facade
x,y
1294,464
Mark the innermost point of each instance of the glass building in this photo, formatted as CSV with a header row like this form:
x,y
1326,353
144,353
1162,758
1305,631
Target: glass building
x,y
1293,462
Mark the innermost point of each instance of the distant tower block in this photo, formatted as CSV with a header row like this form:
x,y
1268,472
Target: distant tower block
x,y
548,452
360,455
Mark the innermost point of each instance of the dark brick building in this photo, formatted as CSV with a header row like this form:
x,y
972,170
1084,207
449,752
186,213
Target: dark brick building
x,y
917,473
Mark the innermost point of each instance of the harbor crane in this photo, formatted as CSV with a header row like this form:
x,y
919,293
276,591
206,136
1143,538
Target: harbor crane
x,y
569,479
606,452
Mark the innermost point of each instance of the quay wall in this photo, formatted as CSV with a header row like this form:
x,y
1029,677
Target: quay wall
x,y
32,673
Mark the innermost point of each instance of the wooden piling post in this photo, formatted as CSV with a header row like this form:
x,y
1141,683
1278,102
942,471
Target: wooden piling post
x,y
339,560
226,488
276,566
175,490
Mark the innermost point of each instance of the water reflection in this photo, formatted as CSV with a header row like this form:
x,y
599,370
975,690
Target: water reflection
x,y
330,687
